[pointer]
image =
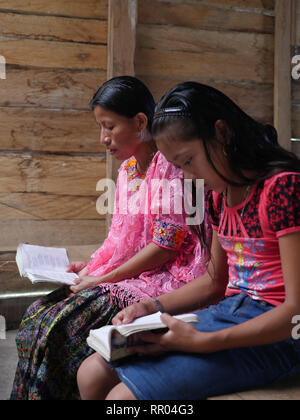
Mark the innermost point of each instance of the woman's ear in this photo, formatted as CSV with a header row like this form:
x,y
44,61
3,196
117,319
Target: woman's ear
x,y
141,121
222,132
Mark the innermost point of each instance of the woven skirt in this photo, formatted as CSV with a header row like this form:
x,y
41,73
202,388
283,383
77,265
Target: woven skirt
x,y
51,342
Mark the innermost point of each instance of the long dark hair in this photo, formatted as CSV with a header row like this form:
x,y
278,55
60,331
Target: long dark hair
x,y
126,96
252,145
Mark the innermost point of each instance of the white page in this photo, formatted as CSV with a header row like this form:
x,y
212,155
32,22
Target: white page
x,y
102,342
151,322
148,322
36,258
56,277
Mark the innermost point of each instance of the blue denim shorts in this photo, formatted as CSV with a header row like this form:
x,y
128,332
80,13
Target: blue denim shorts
x,y
184,376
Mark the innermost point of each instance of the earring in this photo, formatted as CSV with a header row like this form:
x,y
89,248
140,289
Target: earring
x,y
224,150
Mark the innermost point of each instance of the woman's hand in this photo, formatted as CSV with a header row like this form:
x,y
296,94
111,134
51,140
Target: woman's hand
x,y
85,282
78,267
132,312
181,336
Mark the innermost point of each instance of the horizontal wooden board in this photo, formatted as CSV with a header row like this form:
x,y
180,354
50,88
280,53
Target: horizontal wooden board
x,y
8,258
53,28
297,20
296,91
67,55
52,232
57,88
296,122
35,129
75,253
263,5
62,175
47,207
78,8
195,65
296,148
14,286
256,99
258,47
201,15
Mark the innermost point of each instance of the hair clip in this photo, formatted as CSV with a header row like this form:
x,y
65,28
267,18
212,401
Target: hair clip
x,y
172,112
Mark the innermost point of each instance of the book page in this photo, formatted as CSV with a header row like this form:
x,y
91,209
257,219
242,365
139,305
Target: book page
x,y
37,258
151,322
111,344
54,277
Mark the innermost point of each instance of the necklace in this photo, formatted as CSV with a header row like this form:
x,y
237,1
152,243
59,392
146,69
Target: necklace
x,y
245,200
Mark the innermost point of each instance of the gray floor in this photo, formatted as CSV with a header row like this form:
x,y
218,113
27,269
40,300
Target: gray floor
x,y
8,364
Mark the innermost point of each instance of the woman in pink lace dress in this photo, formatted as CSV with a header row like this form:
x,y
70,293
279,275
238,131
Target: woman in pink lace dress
x,y
148,252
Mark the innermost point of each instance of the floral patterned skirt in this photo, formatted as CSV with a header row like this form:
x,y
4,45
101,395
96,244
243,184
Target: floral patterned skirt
x,y
51,342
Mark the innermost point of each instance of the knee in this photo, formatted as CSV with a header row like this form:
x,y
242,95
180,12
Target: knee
x,y
85,378
95,378
120,393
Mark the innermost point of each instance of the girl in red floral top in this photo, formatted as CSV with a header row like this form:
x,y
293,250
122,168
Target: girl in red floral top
x,y
246,337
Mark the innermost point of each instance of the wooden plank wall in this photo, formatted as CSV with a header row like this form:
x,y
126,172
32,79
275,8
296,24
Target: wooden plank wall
x,y
50,156
226,43
282,73
296,83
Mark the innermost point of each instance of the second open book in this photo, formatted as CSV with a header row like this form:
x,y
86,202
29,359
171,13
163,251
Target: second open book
x,y
113,342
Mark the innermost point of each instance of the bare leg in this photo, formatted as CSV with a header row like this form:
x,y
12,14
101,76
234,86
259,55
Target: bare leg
x,y
120,392
96,378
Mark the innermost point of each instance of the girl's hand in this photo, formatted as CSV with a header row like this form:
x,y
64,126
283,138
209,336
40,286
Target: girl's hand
x,y
77,267
85,282
132,312
181,336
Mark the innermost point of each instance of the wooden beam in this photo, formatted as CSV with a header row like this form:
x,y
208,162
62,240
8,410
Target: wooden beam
x,y
282,83
122,22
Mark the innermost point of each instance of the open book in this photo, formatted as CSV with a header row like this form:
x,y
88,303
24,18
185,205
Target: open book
x,y
41,264
113,342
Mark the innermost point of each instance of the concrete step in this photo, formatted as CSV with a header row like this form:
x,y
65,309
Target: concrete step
x,y
8,364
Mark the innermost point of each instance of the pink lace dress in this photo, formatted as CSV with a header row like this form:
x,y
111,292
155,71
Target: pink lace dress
x,y
143,214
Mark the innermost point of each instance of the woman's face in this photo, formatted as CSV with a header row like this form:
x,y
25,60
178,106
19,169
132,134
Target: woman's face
x,y
120,135
190,156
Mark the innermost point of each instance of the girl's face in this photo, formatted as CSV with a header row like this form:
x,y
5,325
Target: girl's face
x,y
190,156
120,135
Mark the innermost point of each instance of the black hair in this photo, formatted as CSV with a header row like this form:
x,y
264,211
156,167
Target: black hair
x,y
252,146
126,96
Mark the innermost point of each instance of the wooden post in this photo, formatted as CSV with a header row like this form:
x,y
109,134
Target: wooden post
x,y
282,82
122,22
